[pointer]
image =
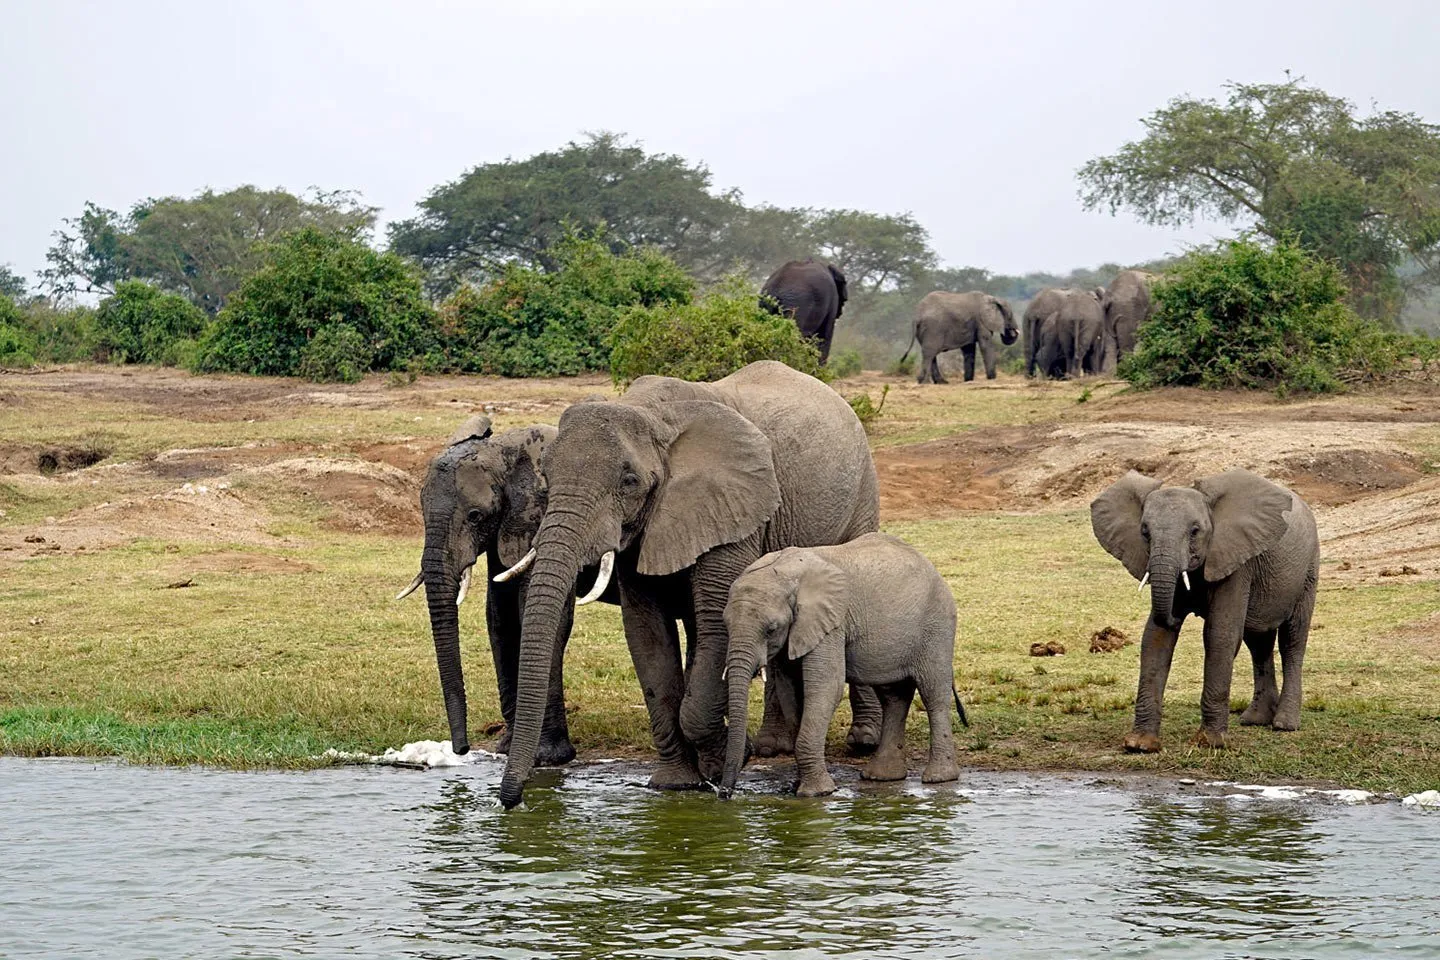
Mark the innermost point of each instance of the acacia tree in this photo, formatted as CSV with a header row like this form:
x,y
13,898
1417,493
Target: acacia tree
x,y
1292,161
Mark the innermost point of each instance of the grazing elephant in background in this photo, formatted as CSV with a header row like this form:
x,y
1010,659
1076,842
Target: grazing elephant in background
x,y
484,496
1127,305
960,321
870,611
1067,334
1252,549
696,481
811,293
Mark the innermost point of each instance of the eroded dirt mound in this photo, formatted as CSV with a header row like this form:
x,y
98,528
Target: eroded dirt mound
x,y
1340,476
360,494
1389,531
50,460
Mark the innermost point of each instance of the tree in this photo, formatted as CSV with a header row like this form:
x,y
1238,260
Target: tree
x,y
12,285
200,247
516,211
1293,161
875,251
142,324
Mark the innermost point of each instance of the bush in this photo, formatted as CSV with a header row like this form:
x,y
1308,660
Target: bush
x,y
1250,316
310,281
336,354
141,324
846,363
17,345
902,366
531,323
708,339
866,410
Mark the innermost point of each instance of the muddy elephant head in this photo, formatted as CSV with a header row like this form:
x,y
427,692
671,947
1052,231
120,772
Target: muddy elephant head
x,y
1163,536
660,485
482,494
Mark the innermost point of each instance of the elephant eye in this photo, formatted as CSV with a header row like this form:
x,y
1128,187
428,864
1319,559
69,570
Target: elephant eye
x,y
1145,530
473,516
630,479
1195,531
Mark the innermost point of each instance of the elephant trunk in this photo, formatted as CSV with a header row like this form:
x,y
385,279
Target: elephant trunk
x,y
1164,573
441,588
549,591
741,672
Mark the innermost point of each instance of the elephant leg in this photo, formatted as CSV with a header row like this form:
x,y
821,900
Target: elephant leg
x,y
866,719
936,692
555,748
824,685
889,762
654,644
1157,649
923,374
969,352
777,730
1294,634
827,336
502,622
988,353
1261,712
1224,631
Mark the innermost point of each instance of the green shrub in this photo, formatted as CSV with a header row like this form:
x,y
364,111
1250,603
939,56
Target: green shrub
x,y
902,366
17,345
142,324
866,410
531,323
708,339
1258,317
338,353
309,281
845,363
62,336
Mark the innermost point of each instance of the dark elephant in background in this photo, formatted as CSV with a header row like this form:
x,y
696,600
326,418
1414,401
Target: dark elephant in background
x,y
1127,304
484,496
675,489
810,292
960,321
1066,333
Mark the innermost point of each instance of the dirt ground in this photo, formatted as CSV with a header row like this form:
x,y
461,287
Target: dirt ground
x,y
1363,461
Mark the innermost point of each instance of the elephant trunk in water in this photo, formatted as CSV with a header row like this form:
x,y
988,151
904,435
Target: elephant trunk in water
x,y
741,671
441,590
552,576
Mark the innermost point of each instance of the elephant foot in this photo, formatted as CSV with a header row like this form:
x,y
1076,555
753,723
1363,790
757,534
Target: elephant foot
x,y
774,742
862,740
940,771
1211,739
818,785
1286,718
554,751
1138,741
676,775
503,744
1260,713
886,766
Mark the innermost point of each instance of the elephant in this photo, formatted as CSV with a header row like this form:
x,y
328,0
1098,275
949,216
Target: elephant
x,y
960,321
870,611
810,292
1252,548
694,481
483,496
1127,305
1066,333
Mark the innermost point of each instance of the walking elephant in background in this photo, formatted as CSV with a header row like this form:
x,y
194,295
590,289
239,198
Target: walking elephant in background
x,y
1127,304
484,496
1067,334
1235,549
674,489
960,321
811,293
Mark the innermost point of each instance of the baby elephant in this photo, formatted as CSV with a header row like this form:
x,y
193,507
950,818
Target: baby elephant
x,y
1238,551
871,611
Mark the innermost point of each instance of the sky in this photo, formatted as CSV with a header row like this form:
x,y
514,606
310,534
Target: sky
x,y
972,116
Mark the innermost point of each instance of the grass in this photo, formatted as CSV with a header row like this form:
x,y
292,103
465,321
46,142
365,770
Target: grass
x,y
275,653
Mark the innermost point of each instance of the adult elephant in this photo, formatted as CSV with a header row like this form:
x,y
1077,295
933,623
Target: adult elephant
x,y
1127,304
484,496
812,294
1067,334
696,480
960,321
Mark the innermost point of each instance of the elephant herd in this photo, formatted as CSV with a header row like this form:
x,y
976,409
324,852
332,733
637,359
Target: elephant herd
x,y
744,513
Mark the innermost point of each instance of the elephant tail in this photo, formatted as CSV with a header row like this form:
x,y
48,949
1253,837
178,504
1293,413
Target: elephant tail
x,y
906,355
960,707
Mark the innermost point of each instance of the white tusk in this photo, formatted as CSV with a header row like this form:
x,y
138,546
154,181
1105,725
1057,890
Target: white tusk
x,y
1144,580
1185,575
725,673
518,569
464,585
762,675
414,585
607,566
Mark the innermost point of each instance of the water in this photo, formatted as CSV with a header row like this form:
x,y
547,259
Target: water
x,y
107,860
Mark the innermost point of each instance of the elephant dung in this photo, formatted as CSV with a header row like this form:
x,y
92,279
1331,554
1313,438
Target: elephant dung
x,y
1054,648
1108,640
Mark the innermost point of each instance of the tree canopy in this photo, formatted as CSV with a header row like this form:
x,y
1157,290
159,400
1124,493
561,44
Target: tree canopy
x,y
1292,161
12,285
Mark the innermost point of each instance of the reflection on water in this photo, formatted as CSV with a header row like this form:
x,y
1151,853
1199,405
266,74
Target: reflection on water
x,y
118,861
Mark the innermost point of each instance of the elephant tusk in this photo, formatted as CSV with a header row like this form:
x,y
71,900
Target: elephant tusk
x,y
518,569
762,675
607,566
1185,576
1144,580
725,673
414,585
464,585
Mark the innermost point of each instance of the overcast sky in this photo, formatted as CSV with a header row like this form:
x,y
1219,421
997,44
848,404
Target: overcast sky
x,y
972,116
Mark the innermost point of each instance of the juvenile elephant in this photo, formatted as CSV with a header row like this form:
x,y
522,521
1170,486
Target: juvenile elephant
x,y
1254,555
871,611
676,488
483,496
811,293
1067,334
960,321
1127,305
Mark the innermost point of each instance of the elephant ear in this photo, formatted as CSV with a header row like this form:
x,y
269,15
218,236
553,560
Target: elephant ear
x,y
721,486
1247,513
1115,518
820,590
840,289
475,428
524,493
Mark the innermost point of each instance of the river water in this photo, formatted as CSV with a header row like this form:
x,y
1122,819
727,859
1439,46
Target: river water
x,y
108,860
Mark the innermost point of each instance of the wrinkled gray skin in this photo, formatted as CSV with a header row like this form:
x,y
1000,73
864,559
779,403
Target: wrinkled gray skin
x,y
1066,333
483,496
960,321
694,479
870,611
1252,556
810,292
1127,305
